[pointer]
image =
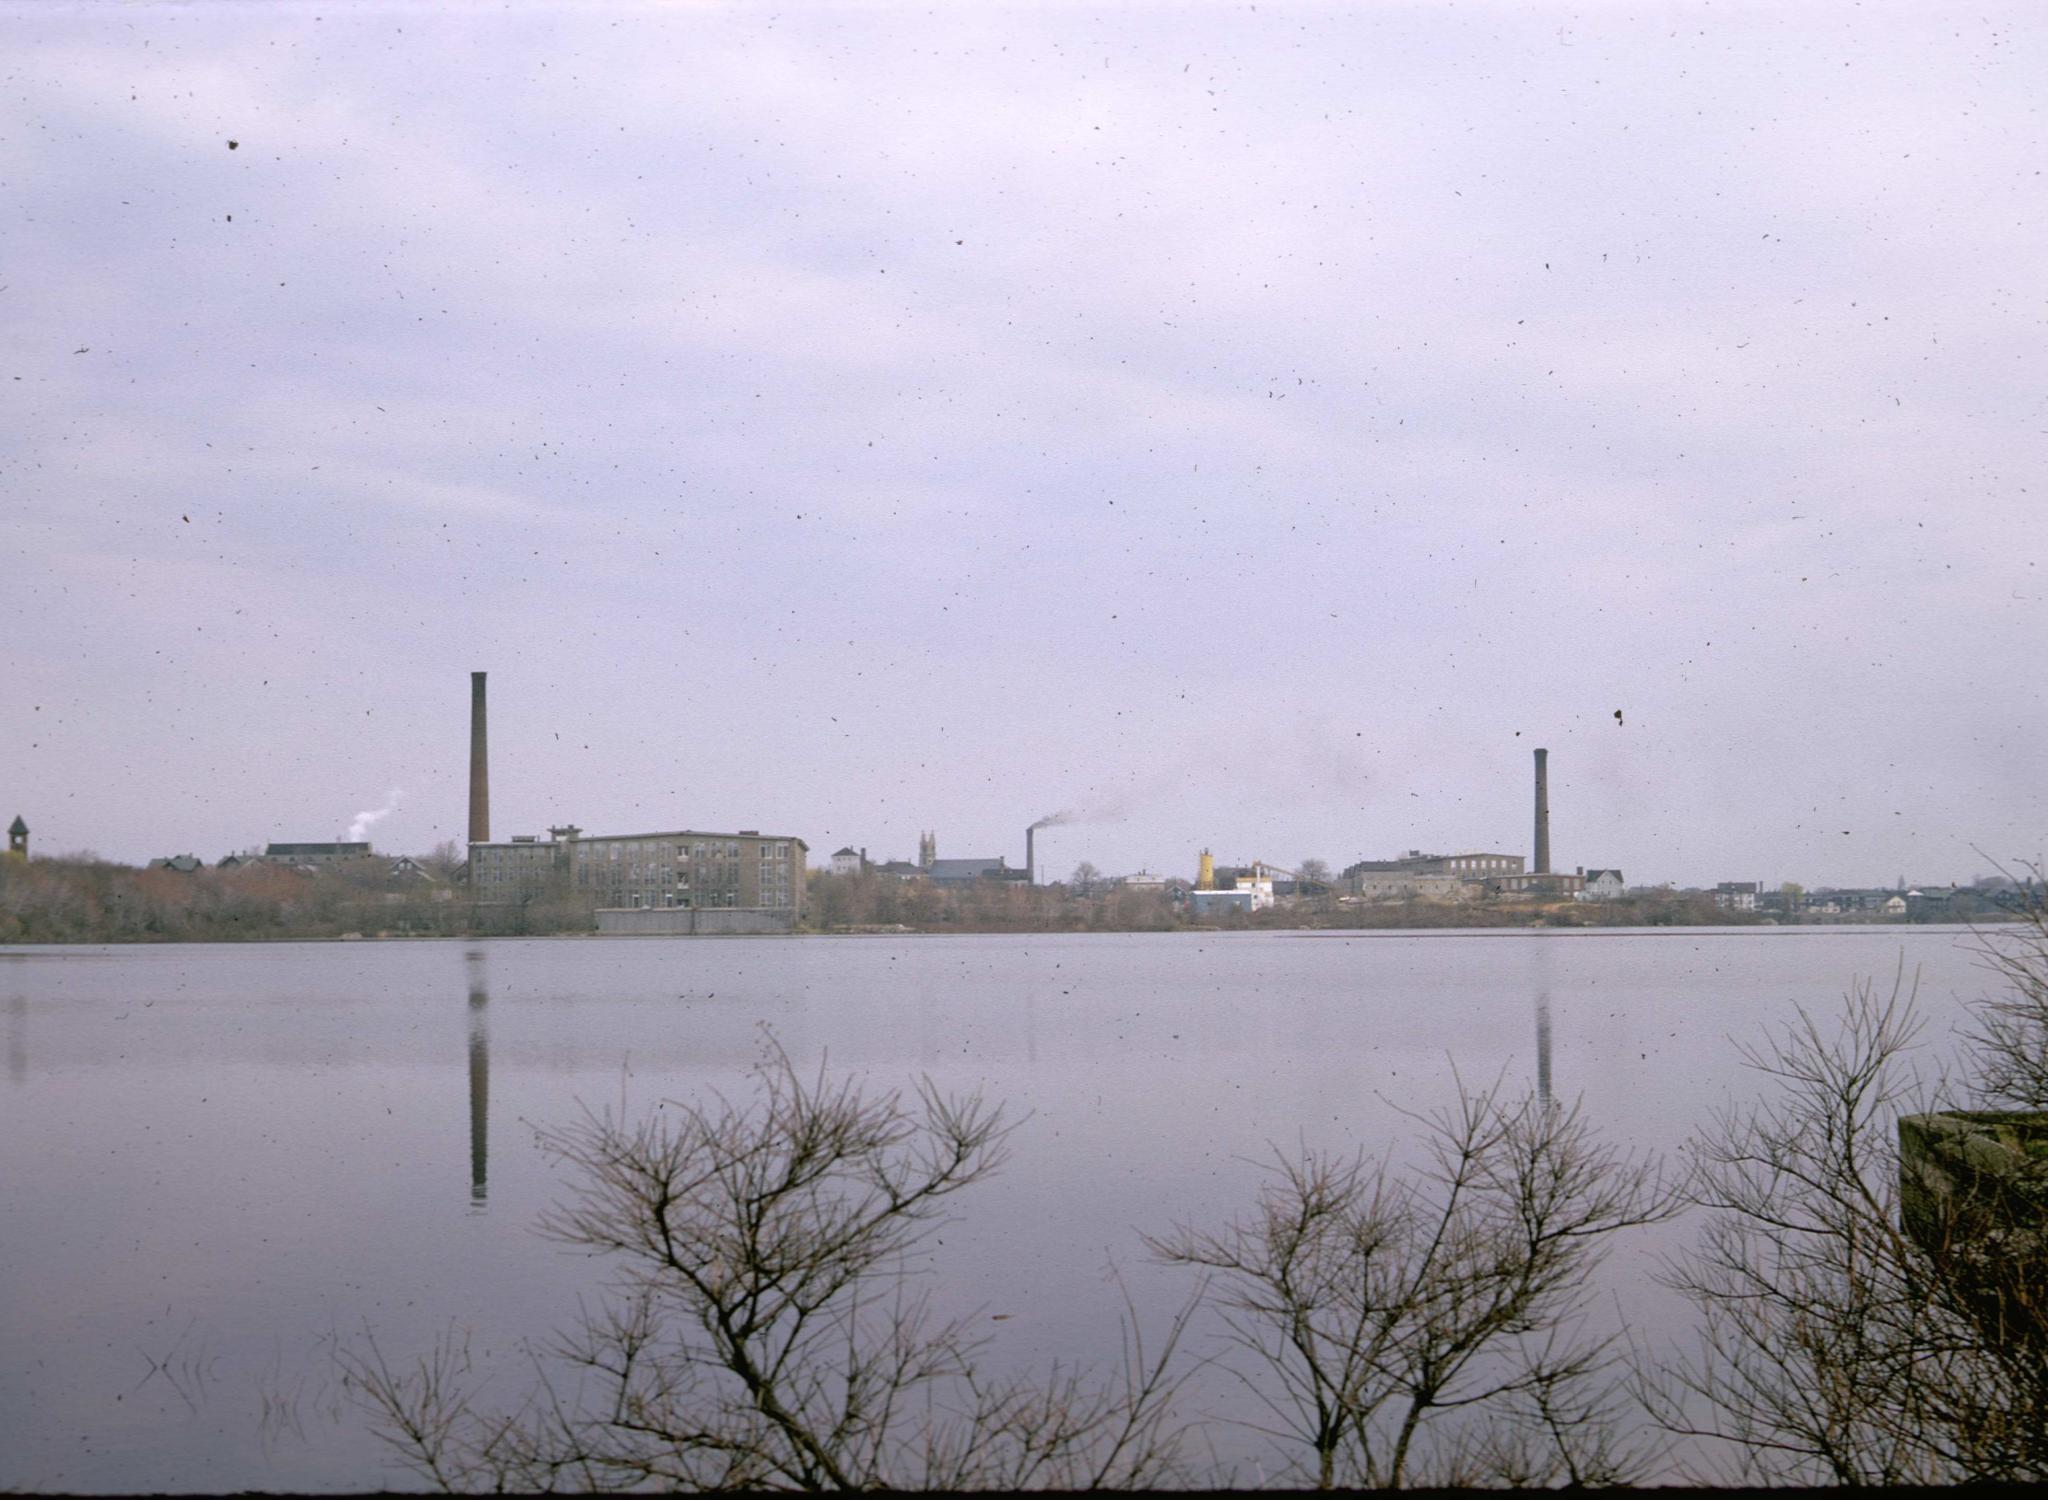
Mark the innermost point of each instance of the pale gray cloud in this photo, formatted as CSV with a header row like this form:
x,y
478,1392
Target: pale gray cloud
x,y
1271,423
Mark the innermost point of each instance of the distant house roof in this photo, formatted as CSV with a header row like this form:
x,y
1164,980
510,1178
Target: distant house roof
x,y
1593,875
902,869
301,851
184,864
844,853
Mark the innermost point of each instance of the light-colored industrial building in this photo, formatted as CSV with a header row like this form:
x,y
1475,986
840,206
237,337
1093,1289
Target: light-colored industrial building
x,y
682,870
1220,888
1458,866
1538,885
515,870
1251,889
959,872
1429,877
679,881
1405,885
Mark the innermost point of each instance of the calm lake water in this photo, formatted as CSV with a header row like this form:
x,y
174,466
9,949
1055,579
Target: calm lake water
x,y
219,1160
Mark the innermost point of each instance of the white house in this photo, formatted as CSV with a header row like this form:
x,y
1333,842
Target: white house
x,y
846,861
1737,895
1603,885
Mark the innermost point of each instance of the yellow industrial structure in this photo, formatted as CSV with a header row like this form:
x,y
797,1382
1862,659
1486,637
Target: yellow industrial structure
x,y
1251,889
1257,870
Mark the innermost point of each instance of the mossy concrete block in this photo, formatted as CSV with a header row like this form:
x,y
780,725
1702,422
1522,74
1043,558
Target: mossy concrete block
x,y
1973,1193
1982,1169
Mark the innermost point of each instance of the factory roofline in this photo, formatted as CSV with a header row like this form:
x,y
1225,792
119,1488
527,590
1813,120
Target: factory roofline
x,y
678,833
1416,856
962,869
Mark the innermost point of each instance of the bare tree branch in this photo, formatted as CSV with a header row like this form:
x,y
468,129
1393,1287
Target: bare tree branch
x,y
1430,1329
1833,1346
761,1331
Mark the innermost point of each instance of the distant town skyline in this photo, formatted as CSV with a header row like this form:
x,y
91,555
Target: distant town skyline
x,y
1251,429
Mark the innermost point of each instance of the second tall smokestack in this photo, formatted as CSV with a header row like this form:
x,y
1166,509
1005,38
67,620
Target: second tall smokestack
x,y
1030,856
479,765
1542,812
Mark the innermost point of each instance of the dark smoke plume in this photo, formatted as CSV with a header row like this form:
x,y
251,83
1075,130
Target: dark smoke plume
x,y
1112,805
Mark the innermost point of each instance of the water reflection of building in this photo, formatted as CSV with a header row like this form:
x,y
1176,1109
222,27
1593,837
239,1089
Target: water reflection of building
x,y
479,1079
17,1039
1540,981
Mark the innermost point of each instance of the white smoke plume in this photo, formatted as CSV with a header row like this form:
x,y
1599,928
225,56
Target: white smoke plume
x,y
359,830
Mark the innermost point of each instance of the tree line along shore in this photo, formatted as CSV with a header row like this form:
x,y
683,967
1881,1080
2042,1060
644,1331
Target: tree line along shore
x,y
83,899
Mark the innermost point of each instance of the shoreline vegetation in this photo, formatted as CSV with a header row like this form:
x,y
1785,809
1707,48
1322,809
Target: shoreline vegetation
x,y
83,899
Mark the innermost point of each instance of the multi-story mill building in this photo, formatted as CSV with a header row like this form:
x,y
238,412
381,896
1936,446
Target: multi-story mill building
x,y
683,870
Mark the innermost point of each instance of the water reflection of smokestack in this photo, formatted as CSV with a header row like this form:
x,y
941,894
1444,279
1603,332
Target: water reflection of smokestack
x,y
1540,965
17,1039
479,1080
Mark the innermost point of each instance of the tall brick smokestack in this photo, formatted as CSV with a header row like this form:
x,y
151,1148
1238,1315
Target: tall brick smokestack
x,y
479,765
1542,812
1030,856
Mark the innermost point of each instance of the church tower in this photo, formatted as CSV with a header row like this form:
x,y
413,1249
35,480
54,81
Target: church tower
x,y
17,839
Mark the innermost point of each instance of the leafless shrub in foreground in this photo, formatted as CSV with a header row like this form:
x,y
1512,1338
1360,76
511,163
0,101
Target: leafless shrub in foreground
x,y
763,1332
1834,1347
1431,1329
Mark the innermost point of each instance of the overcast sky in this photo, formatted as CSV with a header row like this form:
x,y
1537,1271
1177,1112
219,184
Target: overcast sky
x,y
1256,427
